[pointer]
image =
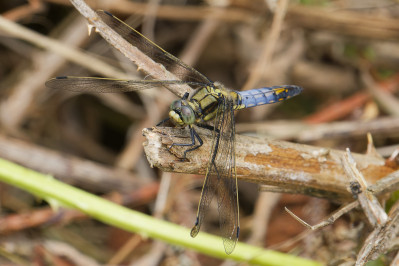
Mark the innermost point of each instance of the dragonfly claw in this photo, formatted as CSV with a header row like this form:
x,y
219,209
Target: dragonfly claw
x,y
184,156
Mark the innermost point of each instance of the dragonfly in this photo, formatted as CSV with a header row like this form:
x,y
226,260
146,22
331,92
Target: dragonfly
x,y
209,105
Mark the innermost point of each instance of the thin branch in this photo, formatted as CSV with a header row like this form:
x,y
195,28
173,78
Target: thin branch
x,y
24,11
371,207
330,220
269,43
344,23
262,214
68,252
304,132
384,99
172,12
381,239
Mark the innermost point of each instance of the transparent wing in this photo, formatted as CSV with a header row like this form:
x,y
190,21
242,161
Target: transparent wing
x,y
221,178
105,85
170,62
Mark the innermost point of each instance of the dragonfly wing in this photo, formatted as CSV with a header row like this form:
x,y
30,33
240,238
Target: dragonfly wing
x,y
208,191
221,177
225,170
106,85
156,53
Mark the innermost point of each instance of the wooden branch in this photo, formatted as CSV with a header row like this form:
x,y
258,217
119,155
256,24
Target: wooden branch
x,y
142,61
295,167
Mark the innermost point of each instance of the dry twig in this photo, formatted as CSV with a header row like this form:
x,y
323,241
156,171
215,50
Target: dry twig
x,y
381,239
371,207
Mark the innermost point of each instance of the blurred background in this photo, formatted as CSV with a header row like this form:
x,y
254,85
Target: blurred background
x,y
345,54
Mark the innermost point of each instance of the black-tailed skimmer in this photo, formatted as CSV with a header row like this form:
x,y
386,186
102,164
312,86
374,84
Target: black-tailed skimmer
x,y
209,101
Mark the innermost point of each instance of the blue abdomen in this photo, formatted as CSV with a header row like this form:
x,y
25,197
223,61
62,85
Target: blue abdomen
x,y
266,95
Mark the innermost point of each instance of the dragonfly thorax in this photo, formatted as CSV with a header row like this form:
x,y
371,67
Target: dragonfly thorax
x,y
181,113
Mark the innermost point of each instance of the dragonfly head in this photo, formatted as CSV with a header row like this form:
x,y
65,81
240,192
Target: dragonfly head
x,y
181,113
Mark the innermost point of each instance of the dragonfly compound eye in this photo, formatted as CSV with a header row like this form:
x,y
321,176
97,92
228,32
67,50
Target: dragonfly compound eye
x,y
181,114
175,105
187,115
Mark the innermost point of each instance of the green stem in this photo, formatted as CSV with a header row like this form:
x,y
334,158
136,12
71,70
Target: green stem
x,y
56,192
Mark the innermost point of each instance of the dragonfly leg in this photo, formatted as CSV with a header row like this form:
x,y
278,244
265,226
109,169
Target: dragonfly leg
x,y
163,121
185,96
217,133
209,127
194,135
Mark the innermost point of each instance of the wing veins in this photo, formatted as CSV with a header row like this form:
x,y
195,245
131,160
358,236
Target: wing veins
x,y
109,85
221,177
156,53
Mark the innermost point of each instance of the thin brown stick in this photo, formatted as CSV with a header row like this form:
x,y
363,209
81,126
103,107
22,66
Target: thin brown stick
x,y
385,100
330,220
24,11
198,41
269,45
173,12
380,240
303,132
58,252
131,244
344,22
262,214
